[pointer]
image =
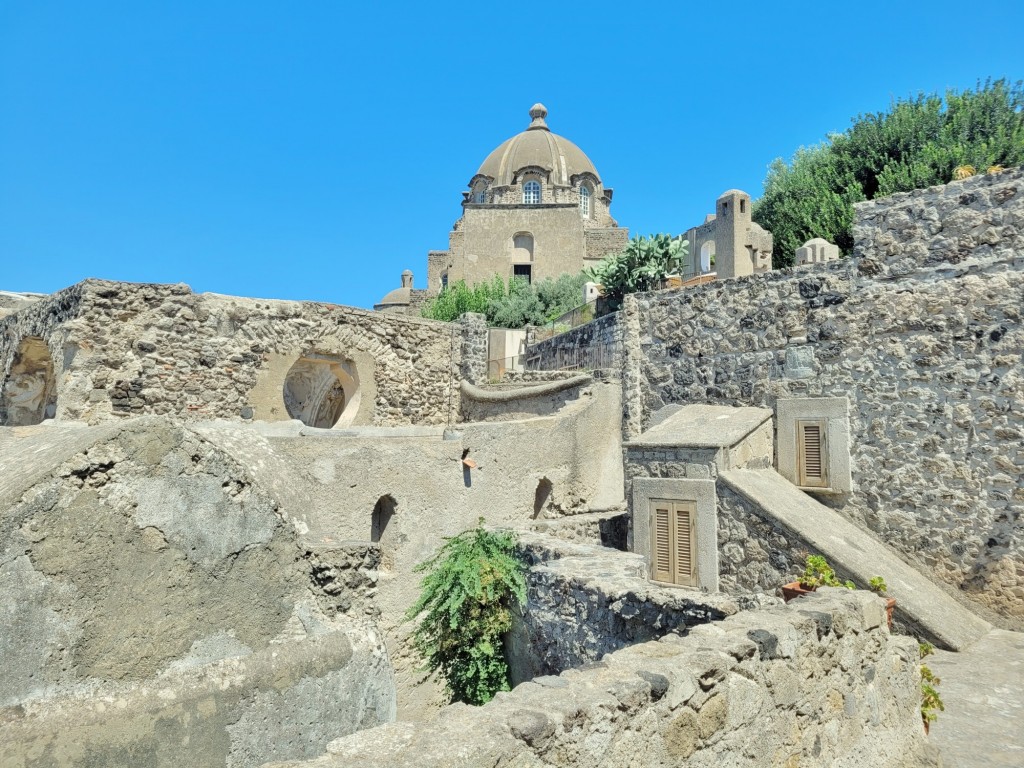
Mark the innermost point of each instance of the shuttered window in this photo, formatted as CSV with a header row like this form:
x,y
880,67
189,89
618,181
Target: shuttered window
x,y
811,453
673,545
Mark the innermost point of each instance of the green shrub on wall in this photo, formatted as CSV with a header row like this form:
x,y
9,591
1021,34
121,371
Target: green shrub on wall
x,y
918,142
509,305
466,602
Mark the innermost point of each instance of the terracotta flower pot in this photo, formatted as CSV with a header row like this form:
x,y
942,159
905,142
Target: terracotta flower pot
x,y
890,606
793,590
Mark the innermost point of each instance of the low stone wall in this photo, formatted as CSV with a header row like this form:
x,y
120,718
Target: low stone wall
x,y
980,219
132,349
598,344
585,601
508,402
822,683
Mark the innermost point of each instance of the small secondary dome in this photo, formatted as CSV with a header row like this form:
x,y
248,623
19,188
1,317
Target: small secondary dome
x,y
537,147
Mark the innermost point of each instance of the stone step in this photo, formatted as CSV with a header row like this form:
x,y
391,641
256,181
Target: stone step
x,y
858,554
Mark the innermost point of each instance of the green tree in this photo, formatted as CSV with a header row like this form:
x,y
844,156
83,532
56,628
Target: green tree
x,y
917,143
466,601
509,305
641,266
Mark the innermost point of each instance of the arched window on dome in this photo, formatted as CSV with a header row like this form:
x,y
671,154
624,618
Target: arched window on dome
x,y
479,193
585,201
531,192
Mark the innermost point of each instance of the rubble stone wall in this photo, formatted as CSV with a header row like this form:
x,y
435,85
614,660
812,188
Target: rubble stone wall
x,y
584,601
927,351
134,349
598,344
822,683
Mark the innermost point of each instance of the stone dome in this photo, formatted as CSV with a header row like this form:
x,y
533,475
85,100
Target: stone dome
x,y
537,146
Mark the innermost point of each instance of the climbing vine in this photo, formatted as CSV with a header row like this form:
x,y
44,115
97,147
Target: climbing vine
x,y
466,602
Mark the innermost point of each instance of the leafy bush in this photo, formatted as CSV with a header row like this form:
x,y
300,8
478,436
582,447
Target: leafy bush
x,y
931,702
919,142
466,598
457,299
818,573
641,266
509,305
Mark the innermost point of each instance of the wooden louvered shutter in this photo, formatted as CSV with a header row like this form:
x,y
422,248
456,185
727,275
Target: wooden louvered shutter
x,y
685,567
661,540
673,543
811,456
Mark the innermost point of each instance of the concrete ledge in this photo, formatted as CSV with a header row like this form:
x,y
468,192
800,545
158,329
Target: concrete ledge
x,y
701,426
479,394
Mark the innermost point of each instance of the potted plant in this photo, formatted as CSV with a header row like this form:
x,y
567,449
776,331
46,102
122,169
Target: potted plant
x,y
879,587
931,702
817,573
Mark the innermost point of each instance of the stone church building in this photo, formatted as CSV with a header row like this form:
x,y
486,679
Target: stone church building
x,y
536,208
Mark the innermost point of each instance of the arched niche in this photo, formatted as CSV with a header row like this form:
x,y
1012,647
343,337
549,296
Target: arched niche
x,y
707,255
29,392
384,529
522,247
322,391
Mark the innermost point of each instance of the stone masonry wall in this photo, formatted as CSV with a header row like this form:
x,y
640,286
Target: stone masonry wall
x,y
598,344
584,601
822,683
968,222
132,349
928,353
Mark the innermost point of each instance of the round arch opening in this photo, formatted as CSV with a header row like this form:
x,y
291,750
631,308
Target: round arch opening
x,y
28,395
322,391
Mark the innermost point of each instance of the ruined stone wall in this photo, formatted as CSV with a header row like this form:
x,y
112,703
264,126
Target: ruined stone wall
x,y
978,220
132,349
821,683
161,610
584,601
928,352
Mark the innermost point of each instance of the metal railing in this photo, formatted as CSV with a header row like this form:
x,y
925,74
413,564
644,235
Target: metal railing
x,y
585,313
574,318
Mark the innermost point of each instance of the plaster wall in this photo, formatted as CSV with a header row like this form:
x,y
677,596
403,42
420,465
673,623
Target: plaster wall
x,y
545,467
160,609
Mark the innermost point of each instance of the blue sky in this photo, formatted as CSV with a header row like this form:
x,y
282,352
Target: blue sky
x,y
313,150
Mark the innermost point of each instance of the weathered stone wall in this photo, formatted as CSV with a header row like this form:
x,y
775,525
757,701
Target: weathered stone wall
x,y
822,683
605,242
584,601
979,220
474,348
598,344
130,349
160,609
930,361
